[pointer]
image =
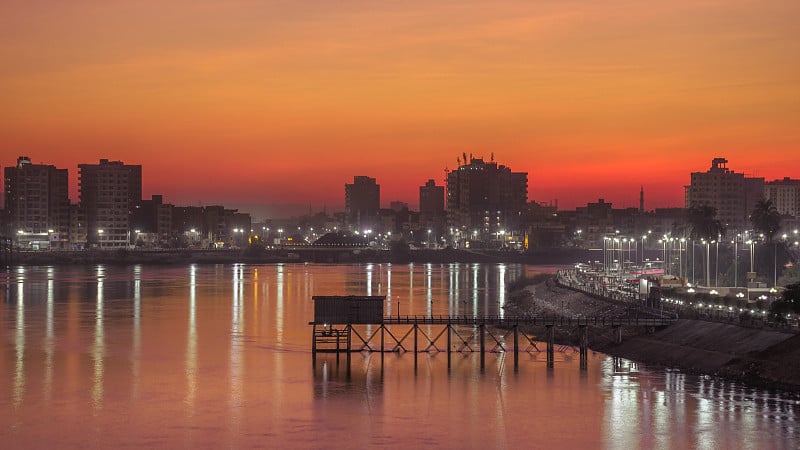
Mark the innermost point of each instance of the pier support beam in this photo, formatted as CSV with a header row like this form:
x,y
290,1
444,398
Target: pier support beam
x,y
516,348
416,348
314,346
550,345
349,346
449,345
383,331
483,345
584,346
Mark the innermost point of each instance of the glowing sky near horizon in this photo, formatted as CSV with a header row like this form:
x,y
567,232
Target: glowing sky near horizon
x,y
277,102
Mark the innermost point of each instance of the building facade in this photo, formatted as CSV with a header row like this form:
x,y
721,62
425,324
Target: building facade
x,y
37,203
109,192
431,199
785,195
362,201
732,194
485,199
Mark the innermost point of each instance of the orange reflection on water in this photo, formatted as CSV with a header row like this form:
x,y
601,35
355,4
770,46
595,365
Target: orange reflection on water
x,y
215,366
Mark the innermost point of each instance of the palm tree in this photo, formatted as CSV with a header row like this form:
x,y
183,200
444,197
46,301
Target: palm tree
x,y
767,220
705,225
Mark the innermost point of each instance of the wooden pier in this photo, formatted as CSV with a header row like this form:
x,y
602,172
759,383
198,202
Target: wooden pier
x,y
354,324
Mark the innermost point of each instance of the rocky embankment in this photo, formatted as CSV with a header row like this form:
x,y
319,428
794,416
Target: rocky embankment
x,y
756,355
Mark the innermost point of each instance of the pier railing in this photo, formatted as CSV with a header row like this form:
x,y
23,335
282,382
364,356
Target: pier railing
x,y
444,333
501,321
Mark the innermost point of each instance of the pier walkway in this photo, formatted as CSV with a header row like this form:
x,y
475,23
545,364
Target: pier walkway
x,y
355,324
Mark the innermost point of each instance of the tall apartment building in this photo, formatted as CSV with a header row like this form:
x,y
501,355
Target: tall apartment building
x,y
485,197
431,207
785,195
109,191
733,194
362,201
431,199
37,202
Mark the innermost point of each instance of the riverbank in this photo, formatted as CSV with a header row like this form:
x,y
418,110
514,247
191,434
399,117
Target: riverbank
x,y
759,356
311,254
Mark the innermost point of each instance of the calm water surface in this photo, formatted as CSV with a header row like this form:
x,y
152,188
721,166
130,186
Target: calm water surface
x,y
219,356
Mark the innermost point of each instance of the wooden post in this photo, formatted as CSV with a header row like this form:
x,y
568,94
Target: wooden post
x,y
618,334
314,346
584,345
416,349
516,348
483,345
349,342
449,346
550,351
382,333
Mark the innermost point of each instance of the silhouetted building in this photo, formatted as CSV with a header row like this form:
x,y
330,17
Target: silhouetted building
x,y
595,220
732,194
785,195
210,225
397,205
485,199
361,203
152,217
431,207
547,228
109,191
431,200
37,203
77,227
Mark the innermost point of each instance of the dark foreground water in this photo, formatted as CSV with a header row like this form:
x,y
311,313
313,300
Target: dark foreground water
x,y
219,357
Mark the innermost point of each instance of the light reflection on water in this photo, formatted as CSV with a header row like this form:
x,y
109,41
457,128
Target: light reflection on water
x,y
210,356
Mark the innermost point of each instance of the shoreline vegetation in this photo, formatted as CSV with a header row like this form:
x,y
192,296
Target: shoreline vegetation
x,y
758,356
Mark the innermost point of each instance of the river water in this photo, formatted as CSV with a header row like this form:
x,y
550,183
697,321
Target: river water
x,y
211,356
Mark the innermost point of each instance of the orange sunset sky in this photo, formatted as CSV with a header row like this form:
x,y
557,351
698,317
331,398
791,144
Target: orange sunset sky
x,y
244,102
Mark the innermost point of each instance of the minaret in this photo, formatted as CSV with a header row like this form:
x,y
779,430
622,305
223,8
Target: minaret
x,y
641,200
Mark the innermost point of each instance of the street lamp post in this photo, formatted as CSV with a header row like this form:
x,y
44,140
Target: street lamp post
x,y
694,278
708,262
716,265
736,261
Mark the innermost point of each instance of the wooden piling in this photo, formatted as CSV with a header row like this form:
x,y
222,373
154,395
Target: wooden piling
x,y
314,346
584,347
516,347
349,345
550,346
483,345
449,346
416,348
